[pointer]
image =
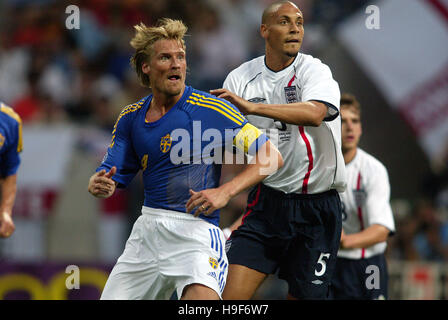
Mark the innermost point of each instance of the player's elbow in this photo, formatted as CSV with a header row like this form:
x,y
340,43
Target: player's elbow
x,y
381,233
317,118
384,235
269,159
319,111
315,122
276,158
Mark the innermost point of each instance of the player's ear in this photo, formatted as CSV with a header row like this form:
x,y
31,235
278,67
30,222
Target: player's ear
x,y
145,68
264,31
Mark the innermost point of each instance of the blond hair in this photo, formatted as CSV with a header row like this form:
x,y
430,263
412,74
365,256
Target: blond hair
x,y
145,37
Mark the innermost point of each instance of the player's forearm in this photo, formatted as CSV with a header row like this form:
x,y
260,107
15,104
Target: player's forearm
x,y
267,161
8,192
300,113
366,238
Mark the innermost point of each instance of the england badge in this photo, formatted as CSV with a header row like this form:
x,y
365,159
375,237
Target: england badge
x,y
291,94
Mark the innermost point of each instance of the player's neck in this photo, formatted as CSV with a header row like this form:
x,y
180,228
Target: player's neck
x,y
160,104
349,155
277,62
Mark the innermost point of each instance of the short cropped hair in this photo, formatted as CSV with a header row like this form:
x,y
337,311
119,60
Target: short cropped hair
x,y
145,37
348,100
269,10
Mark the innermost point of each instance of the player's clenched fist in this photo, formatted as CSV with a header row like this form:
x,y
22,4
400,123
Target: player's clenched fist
x,y
101,184
6,225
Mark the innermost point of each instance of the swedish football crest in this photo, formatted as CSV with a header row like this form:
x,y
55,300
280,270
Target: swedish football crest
x,y
213,262
165,143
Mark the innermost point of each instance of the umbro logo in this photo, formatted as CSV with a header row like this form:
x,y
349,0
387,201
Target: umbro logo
x,y
257,100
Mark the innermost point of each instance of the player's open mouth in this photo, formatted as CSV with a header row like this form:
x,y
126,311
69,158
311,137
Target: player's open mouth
x,y
292,41
174,77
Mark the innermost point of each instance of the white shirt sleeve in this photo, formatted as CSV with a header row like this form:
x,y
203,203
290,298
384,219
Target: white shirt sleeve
x,y
377,204
231,83
318,84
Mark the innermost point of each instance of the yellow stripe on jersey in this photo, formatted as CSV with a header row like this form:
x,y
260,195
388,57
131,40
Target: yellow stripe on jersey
x,y
247,135
216,109
10,112
218,103
128,109
20,142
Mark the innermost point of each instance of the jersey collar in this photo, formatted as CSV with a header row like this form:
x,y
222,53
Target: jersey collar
x,y
186,93
284,72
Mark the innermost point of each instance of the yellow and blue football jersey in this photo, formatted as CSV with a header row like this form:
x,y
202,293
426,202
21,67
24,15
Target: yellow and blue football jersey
x,y
180,151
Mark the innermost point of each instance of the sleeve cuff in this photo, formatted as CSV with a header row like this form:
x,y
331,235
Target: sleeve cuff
x,y
332,111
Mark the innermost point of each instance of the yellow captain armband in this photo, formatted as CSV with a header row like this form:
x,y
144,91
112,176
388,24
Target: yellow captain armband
x,y
247,135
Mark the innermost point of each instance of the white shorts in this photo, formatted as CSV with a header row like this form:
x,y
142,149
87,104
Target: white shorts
x,y
166,251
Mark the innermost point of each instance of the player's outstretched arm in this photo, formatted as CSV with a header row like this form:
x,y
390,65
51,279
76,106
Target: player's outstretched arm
x,y
266,161
101,184
8,196
309,113
370,236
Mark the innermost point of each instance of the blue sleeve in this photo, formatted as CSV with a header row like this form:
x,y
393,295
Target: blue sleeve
x,y
10,162
121,154
246,137
221,115
10,159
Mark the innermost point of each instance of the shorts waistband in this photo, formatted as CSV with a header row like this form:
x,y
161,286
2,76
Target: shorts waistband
x,y
298,196
169,214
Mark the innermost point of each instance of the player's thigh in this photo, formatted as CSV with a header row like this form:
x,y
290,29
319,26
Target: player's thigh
x,y
199,258
242,282
309,265
197,291
132,282
136,269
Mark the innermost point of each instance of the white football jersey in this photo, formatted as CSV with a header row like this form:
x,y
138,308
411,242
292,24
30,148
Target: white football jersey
x,y
365,202
313,160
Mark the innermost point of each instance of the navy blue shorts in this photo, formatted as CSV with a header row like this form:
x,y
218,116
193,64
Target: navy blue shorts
x,y
362,279
296,234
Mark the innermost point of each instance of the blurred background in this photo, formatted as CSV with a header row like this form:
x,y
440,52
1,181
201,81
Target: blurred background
x,y
69,85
